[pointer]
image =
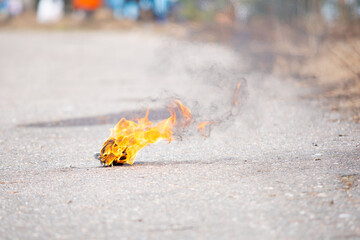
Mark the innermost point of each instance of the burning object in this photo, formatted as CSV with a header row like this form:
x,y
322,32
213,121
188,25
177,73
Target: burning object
x,y
128,137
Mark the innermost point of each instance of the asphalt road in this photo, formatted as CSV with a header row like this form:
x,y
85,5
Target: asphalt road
x,y
281,167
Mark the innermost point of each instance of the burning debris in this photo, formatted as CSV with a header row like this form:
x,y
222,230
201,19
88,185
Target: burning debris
x,y
128,137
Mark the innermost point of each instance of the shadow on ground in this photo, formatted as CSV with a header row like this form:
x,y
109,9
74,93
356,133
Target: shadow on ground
x,y
113,118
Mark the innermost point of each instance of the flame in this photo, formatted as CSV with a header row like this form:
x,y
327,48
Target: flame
x,y
201,127
236,94
185,112
127,138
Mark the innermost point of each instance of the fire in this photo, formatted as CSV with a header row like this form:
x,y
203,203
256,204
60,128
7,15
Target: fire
x,y
185,111
128,137
236,94
201,127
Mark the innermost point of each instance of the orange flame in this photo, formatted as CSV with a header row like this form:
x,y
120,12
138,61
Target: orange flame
x,y
128,137
236,94
185,112
201,128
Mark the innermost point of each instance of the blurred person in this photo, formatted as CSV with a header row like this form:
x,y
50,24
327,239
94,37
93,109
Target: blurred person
x,y
124,9
50,11
14,7
131,10
146,5
161,9
4,15
116,6
3,7
330,11
86,6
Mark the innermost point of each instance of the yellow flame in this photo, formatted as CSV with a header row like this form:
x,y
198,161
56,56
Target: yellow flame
x,y
128,137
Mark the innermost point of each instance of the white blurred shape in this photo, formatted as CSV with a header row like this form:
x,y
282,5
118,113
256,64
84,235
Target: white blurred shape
x,y
330,11
50,11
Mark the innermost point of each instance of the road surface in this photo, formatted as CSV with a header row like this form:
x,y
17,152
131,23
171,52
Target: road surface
x,y
281,167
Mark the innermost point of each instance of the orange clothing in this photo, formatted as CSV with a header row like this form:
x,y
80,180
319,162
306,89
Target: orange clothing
x,y
88,5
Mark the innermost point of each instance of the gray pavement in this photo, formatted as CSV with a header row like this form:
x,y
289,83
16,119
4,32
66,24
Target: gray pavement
x,y
282,168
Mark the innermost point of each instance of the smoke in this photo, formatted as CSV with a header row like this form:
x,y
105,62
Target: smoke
x,y
216,99
223,98
203,78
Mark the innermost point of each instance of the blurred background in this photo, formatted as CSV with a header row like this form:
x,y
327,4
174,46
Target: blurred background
x,y
314,42
47,11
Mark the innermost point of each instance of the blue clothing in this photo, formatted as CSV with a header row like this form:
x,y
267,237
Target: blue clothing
x,y
115,4
131,10
146,5
161,8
